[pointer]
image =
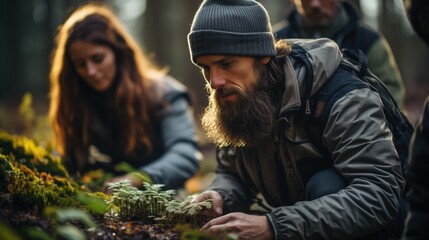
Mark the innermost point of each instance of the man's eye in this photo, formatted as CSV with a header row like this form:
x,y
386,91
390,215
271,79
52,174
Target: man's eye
x,y
226,65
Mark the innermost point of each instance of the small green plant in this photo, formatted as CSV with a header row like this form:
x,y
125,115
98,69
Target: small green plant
x,y
186,211
33,178
129,202
153,203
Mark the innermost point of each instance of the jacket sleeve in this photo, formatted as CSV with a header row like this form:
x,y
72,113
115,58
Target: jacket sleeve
x,y
383,64
181,158
361,147
418,168
235,194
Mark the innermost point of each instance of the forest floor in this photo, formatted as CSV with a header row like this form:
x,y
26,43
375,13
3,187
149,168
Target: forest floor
x,y
24,223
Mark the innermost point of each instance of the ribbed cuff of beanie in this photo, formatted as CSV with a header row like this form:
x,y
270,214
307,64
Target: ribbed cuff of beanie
x,y
209,42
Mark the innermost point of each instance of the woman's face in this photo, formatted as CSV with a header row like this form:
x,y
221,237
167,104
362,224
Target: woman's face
x,y
95,63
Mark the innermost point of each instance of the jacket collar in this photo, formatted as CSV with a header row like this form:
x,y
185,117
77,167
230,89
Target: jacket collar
x,y
324,56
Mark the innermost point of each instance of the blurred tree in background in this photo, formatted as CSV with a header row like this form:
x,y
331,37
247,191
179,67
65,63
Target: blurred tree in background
x,y
160,26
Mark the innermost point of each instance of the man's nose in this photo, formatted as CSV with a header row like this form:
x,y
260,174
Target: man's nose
x,y
217,80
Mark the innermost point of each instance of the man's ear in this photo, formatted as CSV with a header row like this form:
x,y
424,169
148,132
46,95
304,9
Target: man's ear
x,y
266,60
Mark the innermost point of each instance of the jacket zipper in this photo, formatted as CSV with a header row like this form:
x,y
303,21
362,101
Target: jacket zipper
x,y
289,166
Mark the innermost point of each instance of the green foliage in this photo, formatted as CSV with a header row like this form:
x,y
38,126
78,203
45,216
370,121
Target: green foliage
x,y
70,232
33,189
35,233
153,203
32,178
7,233
128,202
24,151
69,214
94,202
62,219
186,211
188,232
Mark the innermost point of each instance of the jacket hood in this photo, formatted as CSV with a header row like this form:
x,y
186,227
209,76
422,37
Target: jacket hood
x,y
324,57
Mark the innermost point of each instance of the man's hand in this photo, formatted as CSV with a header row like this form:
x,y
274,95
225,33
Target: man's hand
x,y
215,198
244,225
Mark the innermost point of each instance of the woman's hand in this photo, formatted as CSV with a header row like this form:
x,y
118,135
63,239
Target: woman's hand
x,y
135,179
244,225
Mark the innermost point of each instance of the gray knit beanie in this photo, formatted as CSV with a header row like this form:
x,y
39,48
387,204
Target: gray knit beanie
x,y
231,27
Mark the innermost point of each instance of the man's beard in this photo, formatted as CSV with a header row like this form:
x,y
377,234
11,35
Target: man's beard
x,y
244,123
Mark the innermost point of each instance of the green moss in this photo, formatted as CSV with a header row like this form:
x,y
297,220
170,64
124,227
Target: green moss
x,y
23,150
30,188
34,178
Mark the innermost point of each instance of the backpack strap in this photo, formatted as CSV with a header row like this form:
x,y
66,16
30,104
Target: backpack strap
x,y
341,83
398,123
312,109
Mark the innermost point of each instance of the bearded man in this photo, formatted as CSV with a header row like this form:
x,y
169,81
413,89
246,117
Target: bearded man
x,y
348,186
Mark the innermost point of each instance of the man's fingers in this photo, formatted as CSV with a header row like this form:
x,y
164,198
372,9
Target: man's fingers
x,y
215,198
220,222
213,224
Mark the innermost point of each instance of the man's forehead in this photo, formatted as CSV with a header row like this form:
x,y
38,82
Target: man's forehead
x,y
212,59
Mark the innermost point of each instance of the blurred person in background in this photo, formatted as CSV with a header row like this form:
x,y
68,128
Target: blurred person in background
x,y
339,21
110,104
417,222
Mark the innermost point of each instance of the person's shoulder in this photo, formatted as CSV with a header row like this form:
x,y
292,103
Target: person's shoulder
x,y
354,17
280,28
171,88
170,83
366,29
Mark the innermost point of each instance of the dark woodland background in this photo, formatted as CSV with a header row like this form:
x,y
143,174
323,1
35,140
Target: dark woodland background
x,y
28,28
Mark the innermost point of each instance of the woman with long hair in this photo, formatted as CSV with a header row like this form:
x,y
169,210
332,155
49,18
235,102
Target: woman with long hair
x,y
109,104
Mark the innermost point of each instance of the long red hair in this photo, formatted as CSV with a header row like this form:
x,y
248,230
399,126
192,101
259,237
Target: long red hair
x,y
68,112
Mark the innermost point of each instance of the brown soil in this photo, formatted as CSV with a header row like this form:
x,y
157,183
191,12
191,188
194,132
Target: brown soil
x,y
107,228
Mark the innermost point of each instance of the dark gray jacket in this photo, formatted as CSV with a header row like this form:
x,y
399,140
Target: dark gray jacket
x,y
360,147
418,195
